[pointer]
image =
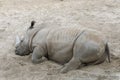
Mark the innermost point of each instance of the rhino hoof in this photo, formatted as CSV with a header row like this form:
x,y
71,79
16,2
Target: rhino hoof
x,y
35,62
63,70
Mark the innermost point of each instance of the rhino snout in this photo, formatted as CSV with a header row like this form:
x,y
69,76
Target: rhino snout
x,y
18,53
21,53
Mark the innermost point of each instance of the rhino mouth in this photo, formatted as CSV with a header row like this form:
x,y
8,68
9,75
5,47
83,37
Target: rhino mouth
x,y
21,54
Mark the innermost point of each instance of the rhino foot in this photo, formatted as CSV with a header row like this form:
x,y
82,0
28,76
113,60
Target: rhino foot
x,y
36,61
71,65
64,70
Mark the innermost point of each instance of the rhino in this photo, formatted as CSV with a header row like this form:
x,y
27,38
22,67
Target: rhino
x,y
69,46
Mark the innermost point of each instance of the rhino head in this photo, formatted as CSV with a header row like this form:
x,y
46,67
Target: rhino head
x,y
22,44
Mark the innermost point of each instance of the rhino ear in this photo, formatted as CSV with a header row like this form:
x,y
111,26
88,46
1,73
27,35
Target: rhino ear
x,y
32,24
17,40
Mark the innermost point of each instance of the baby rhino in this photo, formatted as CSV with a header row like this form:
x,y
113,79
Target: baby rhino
x,y
70,46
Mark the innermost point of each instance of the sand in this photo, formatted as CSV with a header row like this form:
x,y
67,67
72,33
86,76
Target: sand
x,y
15,18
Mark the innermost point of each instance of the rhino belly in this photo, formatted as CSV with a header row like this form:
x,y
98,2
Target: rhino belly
x,y
60,44
60,52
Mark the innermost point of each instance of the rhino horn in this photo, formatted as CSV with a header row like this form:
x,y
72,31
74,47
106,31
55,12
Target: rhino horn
x,y
17,40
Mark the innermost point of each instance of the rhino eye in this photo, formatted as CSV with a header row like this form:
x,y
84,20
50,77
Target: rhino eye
x,y
16,47
21,40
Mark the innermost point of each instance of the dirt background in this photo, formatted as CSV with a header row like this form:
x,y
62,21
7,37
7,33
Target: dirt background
x,y
15,18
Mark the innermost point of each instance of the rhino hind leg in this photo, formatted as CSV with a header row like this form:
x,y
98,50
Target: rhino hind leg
x,y
73,64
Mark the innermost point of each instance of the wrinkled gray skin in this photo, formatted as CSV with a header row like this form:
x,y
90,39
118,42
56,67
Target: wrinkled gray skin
x,y
71,46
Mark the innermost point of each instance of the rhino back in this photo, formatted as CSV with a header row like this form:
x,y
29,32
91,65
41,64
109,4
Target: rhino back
x,y
60,43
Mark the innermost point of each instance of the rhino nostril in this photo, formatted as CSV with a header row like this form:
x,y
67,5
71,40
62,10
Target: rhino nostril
x,y
16,52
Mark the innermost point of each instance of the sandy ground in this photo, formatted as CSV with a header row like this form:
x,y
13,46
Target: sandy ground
x,y
15,18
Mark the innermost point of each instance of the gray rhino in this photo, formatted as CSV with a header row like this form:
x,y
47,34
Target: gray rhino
x,y
70,46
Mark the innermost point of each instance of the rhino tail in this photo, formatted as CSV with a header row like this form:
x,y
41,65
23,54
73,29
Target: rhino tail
x,y
103,57
107,51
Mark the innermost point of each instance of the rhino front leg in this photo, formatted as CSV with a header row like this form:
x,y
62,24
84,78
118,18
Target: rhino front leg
x,y
74,63
38,55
